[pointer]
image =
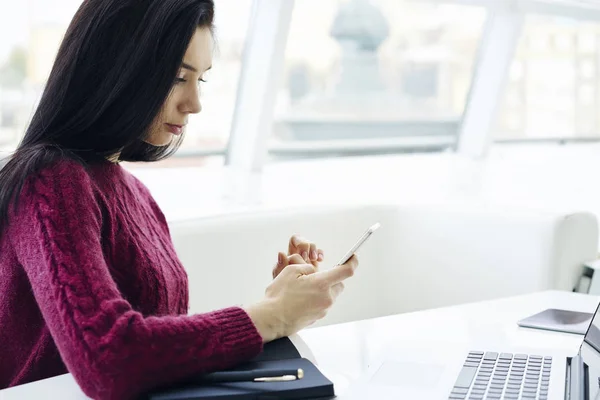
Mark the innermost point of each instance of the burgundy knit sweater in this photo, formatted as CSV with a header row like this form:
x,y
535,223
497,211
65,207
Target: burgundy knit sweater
x,y
90,284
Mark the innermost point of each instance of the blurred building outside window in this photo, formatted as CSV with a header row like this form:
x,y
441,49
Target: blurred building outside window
x,y
364,76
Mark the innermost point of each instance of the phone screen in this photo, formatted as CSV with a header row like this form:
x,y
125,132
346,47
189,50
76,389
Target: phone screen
x,y
359,243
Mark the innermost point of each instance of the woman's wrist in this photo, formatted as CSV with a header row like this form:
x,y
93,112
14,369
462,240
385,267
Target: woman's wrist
x,y
264,315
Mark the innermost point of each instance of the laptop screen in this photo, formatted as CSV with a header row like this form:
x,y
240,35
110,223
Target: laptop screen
x,y
590,353
592,336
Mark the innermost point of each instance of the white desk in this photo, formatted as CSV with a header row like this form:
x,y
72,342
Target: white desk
x,y
435,341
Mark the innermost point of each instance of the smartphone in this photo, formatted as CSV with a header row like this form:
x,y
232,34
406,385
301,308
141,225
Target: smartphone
x,y
359,243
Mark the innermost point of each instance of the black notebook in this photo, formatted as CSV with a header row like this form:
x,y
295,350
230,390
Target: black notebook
x,y
278,354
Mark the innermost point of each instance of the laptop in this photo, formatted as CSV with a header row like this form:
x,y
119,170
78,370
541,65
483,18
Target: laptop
x,y
488,375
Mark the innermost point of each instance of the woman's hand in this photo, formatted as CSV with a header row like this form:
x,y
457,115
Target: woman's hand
x,y
299,296
304,248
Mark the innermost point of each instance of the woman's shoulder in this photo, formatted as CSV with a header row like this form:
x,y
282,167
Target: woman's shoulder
x,y
60,176
59,171
60,191
62,181
65,167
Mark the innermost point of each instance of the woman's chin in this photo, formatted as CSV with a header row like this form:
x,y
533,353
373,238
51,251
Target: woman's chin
x,y
160,140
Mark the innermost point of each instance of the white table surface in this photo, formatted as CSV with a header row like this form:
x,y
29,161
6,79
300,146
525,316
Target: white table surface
x,y
415,355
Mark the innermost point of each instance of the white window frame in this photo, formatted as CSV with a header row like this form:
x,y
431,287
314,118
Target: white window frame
x,y
500,38
262,66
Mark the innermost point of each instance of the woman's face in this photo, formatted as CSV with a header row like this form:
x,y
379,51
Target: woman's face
x,y
184,98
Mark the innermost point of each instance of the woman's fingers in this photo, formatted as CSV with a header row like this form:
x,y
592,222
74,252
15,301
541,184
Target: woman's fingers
x,y
302,246
283,261
320,255
314,256
306,249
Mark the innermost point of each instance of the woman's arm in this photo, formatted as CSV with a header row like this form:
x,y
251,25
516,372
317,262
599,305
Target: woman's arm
x,y
111,350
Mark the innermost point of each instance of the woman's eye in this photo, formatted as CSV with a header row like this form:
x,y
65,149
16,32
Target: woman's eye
x,y
182,80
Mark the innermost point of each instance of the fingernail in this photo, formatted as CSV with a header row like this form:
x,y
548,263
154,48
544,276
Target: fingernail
x,y
305,256
313,255
320,256
279,259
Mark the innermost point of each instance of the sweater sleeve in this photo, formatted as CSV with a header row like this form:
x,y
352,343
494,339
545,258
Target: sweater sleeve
x,y
112,351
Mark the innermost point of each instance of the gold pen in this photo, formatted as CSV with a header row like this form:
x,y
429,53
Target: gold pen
x,y
284,378
272,375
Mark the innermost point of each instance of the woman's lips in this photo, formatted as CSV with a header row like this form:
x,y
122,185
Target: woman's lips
x,y
175,129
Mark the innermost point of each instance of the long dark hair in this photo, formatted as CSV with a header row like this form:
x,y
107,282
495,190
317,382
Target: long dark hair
x,y
113,72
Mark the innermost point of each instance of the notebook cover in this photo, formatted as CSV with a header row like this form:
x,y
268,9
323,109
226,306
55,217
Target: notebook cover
x,y
313,385
280,349
277,354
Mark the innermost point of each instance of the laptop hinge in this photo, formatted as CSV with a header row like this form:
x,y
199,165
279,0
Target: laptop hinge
x,y
576,379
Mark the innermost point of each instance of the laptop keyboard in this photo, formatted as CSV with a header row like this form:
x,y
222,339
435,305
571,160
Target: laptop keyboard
x,y
503,376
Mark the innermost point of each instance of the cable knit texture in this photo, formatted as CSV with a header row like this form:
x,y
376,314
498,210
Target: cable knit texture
x,y
91,285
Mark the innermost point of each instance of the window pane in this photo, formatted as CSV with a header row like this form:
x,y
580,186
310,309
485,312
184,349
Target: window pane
x,y
555,93
30,33
374,77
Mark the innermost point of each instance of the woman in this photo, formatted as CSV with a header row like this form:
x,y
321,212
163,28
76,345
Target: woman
x,y
90,281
